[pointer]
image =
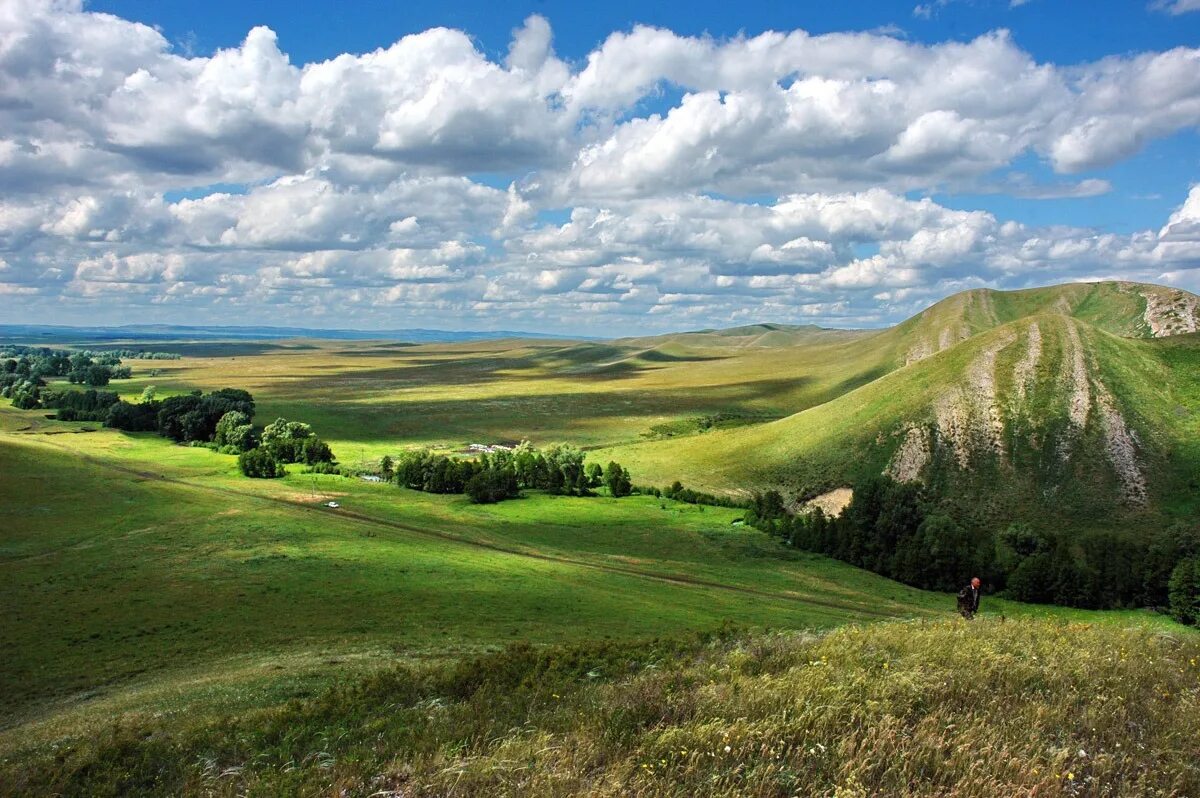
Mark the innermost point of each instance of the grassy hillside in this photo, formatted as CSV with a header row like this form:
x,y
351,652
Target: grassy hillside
x,y
140,575
1072,419
990,708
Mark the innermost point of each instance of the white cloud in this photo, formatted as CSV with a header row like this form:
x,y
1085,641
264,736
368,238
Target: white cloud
x,y
352,186
1176,7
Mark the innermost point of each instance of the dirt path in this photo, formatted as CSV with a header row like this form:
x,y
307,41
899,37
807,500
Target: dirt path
x,y
366,519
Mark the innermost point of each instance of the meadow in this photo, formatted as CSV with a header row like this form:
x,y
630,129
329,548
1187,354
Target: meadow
x,y
173,627
145,579
137,571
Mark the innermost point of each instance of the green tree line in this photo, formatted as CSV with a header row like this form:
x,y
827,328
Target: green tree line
x,y
499,475
894,529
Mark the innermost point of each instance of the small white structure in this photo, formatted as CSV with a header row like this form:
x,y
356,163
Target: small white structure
x,y
371,478
334,505
489,448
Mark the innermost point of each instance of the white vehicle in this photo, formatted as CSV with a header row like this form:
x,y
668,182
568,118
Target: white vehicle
x,y
334,505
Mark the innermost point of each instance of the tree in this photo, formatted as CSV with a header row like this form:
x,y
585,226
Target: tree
x,y
284,439
492,485
565,469
313,450
141,417
234,432
387,468
97,375
595,475
148,393
1184,592
616,479
259,464
171,413
940,556
1166,548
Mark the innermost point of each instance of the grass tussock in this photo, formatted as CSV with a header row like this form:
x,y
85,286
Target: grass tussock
x,y
990,708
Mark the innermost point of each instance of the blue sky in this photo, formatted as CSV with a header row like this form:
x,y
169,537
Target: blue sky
x,y
1062,32
619,168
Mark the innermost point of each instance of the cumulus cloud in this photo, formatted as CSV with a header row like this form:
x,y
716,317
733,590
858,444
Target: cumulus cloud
x,y
661,177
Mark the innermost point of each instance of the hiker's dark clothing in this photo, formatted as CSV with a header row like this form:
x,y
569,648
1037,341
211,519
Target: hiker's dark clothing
x,y
968,601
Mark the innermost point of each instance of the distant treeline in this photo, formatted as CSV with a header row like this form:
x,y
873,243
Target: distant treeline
x,y
500,475
23,372
894,529
135,354
677,492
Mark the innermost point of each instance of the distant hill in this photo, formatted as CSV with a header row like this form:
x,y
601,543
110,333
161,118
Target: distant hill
x,y
173,332
1076,400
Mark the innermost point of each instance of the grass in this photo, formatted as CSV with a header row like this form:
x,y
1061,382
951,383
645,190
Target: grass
x,y
948,708
171,627
144,577
121,587
854,435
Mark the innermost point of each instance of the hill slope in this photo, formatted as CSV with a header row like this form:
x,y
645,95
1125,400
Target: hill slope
x,y
1073,398
943,709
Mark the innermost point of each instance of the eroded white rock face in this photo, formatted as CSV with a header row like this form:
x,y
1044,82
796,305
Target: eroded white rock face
x,y
1025,372
918,352
1171,312
968,420
1077,386
910,459
968,417
1121,446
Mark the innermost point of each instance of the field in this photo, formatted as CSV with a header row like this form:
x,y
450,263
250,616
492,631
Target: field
x,y
406,637
136,571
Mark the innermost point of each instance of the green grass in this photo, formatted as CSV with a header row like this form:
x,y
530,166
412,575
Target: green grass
x,y
948,708
141,577
209,615
118,584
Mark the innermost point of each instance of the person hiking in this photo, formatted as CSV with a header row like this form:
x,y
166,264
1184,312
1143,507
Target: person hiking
x,y
968,599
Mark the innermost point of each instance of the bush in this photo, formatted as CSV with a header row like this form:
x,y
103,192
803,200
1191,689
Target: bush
x,y
259,464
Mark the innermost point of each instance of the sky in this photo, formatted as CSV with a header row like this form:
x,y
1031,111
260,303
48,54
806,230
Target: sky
x,y
607,169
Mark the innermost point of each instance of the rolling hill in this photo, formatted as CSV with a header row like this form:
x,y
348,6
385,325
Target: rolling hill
x,y
1080,400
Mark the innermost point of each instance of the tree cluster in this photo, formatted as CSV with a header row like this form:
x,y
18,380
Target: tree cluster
x,y
25,369
89,405
136,354
895,530
224,420
499,475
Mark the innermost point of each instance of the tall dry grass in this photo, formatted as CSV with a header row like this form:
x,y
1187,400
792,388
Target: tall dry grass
x,y
988,709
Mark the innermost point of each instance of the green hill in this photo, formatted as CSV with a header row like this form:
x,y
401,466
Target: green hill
x,y
1080,401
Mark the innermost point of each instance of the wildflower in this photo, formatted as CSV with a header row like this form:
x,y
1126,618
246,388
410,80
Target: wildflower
x,y
728,749
1070,776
